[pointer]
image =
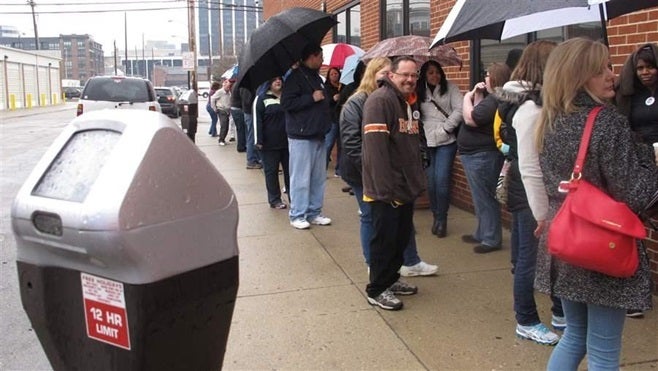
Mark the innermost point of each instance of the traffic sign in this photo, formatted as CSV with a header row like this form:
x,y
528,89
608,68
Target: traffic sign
x,y
188,61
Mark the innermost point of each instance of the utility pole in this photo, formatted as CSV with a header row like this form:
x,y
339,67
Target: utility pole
x,y
209,58
36,47
34,22
115,57
146,65
191,24
125,40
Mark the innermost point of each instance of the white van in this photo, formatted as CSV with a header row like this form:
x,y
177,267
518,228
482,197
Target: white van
x,y
204,88
117,92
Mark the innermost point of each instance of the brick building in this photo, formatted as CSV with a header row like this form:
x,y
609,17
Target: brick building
x,y
365,23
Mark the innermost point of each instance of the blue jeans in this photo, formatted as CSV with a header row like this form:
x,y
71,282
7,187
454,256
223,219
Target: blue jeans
x,y
439,176
410,255
213,120
482,170
524,257
308,176
592,330
253,157
329,141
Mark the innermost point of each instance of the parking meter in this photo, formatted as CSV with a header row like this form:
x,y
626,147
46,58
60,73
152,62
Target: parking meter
x,y
127,251
189,109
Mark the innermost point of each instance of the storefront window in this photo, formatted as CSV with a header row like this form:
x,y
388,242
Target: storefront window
x,y
348,29
405,17
490,51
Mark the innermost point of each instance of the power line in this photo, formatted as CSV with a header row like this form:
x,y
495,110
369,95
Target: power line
x,y
247,9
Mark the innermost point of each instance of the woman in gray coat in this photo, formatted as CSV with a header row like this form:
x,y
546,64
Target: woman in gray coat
x,y
577,78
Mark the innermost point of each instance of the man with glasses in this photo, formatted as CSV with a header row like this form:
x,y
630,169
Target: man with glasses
x,y
308,119
393,178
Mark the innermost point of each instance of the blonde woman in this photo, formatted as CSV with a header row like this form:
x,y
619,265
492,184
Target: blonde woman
x,y
578,78
350,166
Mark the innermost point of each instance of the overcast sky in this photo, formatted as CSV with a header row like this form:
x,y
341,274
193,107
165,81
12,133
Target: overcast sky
x,y
102,19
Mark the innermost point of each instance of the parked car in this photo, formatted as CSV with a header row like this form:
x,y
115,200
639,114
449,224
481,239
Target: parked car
x,y
168,99
71,92
117,92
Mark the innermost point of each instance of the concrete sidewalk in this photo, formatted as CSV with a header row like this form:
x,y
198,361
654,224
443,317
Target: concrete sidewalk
x,y
301,302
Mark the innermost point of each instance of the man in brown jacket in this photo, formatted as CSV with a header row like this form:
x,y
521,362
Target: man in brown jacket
x,y
393,178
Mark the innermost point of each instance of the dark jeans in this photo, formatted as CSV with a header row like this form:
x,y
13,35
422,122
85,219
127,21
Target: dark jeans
x,y
272,159
392,228
223,122
330,139
213,120
410,252
253,155
524,258
241,136
439,176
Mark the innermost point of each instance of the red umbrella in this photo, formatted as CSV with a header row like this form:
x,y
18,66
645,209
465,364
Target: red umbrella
x,y
417,47
335,54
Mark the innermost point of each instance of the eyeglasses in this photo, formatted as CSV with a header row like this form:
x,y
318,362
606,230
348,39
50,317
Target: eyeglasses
x,y
413,76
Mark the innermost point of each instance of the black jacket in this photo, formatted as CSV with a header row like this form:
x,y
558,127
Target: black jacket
x,y
270,123
305,118
351,117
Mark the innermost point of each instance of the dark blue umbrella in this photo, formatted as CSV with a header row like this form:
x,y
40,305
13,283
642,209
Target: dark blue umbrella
x,y
278,43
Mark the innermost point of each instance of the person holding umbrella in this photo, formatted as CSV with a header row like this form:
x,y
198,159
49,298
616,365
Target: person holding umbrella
x,y
308,119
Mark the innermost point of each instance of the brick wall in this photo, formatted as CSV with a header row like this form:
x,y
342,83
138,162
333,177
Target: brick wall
x,y
625,34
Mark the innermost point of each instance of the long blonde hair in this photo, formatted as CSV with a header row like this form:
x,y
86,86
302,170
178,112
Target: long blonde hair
x,y
369,79
568,69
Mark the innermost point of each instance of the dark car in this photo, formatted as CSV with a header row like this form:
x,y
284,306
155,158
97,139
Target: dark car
x,y
168,99
71,92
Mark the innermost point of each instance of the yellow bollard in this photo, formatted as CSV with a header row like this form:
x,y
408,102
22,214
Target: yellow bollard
x,y
63,97
28,99
12,101
43,99
54,102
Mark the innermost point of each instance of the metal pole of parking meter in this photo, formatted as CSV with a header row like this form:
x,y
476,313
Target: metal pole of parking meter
x,y
192,41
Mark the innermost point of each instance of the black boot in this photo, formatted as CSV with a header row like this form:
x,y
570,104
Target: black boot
x,y
435,226
441,229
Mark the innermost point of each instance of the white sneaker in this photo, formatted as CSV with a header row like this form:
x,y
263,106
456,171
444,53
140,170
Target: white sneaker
x,y
300,224
538,333
420,269
321,220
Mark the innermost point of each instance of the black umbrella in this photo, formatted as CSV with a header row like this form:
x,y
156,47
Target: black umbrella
x,y
278,43
502,19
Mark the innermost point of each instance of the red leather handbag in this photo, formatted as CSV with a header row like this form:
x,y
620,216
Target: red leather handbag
x,y
591,230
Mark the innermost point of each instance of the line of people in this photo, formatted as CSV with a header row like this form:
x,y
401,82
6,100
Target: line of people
x,y
400,131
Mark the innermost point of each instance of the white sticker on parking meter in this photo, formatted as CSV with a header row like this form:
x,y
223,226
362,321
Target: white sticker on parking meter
x,y
105,310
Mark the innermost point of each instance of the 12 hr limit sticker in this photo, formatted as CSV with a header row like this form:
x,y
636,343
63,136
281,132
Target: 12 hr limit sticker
x,y
105,310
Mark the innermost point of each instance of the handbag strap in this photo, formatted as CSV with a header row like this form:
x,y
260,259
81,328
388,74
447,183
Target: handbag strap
x,y
584,142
